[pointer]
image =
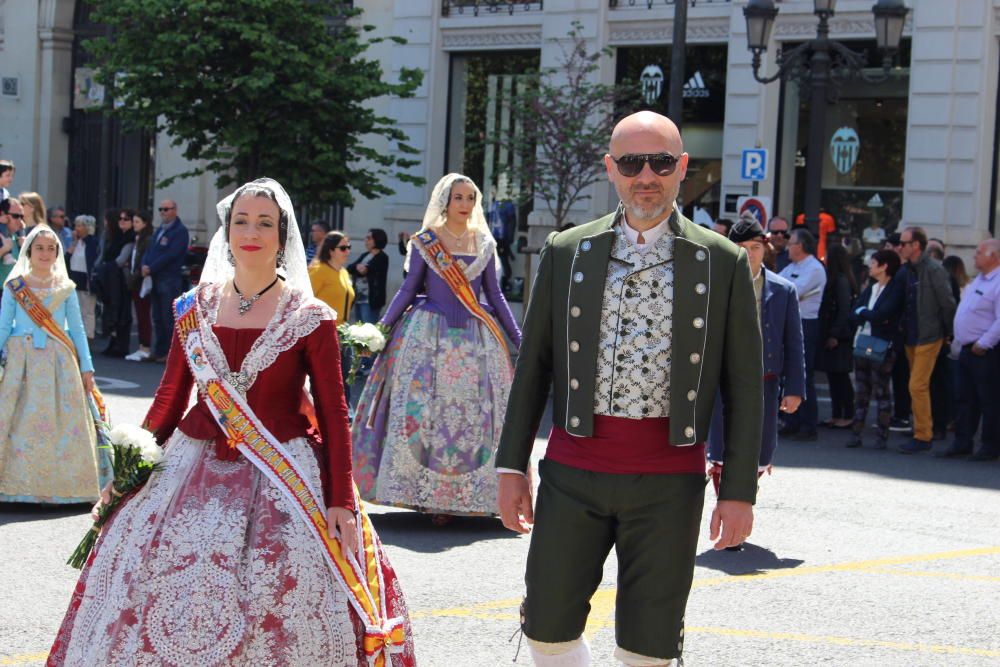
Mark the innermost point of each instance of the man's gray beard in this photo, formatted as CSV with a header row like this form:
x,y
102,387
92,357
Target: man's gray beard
x,y
649,212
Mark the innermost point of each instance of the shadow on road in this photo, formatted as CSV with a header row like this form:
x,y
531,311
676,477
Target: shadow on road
x,y
414,531
11,513
752,560
830,453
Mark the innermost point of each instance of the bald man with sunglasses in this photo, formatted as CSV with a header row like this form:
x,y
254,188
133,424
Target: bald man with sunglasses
x,y
635,321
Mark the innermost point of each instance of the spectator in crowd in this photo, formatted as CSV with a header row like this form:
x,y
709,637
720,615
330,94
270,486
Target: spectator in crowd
x,y
330,281
317,232
34,209
116,313
927,321
164,261
936,249
873,236
777,236
142,226
57,221
977,333
900,421
83,255
955,267
369,272
943,378
877,311
6,178
502,220
12,222
809,277
835,355
722,226
827,226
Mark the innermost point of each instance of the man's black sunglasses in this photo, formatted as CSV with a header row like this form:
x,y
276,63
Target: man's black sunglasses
x,y
630,164
779,232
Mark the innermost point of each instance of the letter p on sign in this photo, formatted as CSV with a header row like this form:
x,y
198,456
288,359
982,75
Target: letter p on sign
x,y
754,164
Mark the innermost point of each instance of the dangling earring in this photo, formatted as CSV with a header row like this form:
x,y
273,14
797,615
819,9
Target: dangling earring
x,y
229,256
281,257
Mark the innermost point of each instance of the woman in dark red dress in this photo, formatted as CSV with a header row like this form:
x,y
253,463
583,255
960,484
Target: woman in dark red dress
x,y
209,564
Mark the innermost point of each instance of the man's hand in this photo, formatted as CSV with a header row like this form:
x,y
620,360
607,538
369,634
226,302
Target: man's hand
x,y
361,269
790,404
979,351
831,343
342,519
145,271
732,522
514,501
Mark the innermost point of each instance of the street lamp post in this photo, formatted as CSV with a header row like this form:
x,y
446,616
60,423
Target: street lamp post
x,y
819,64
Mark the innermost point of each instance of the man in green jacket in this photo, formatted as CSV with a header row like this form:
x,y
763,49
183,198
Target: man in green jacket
x,y
635,321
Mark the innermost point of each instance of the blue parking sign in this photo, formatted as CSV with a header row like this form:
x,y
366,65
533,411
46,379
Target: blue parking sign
x,y
754,164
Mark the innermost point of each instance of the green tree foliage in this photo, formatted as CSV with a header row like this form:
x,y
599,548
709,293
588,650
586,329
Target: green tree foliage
x,y
255,88
566,118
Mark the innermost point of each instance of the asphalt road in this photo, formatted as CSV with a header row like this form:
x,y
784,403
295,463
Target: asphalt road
x,y
858,557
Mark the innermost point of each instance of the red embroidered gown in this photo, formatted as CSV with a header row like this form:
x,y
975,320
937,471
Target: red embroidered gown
x,y
206,565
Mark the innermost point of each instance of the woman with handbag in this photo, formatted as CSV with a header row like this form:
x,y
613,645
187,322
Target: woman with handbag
x,y
878,311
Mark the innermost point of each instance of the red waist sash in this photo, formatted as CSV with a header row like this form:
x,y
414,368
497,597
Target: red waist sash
x,y
626,446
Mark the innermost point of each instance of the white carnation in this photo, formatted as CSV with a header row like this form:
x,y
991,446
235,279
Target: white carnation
x,y
130,435
368,335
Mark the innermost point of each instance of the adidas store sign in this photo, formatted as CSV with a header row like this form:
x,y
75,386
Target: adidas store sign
x,y
695,87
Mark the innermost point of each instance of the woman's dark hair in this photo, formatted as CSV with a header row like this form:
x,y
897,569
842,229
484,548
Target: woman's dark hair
x,y
147,229
889,259
256,190
330,243
955,267
111,229
838,263
379,237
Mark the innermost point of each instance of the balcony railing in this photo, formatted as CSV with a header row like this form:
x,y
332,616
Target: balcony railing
x,y
476,7
620,4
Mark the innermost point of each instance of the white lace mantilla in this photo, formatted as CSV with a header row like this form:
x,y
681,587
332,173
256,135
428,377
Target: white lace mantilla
x,y
295,317
486,252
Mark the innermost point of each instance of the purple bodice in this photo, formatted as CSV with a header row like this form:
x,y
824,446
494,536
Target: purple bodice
x,y
424,288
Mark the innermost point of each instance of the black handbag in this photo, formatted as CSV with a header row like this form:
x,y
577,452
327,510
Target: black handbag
x,y
871,348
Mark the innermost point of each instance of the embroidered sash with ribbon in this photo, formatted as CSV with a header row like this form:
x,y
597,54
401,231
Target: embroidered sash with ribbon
x,y
40,315
362,581
459,283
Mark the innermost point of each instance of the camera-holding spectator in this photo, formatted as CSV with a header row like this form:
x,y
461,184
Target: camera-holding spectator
x,y
117,313
369,272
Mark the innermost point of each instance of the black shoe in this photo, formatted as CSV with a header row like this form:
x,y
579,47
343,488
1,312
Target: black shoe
x,y
804,436
787,431
915,446
984,456
953,451
854,442
899,425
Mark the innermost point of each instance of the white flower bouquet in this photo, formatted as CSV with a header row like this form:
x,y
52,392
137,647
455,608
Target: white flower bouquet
x,y
364,339
135,456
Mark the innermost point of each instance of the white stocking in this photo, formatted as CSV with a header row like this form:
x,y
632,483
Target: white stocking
x,y
574,653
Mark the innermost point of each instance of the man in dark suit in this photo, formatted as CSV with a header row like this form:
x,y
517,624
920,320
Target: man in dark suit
x,y
164,261
635,321
784,361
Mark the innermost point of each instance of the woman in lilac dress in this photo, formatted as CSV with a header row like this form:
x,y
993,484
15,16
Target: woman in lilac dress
x,y
428,421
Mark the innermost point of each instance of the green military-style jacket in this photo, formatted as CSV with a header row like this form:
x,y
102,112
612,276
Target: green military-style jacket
x,y
716,345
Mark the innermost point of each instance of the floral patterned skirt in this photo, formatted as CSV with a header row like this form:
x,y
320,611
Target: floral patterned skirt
x,y
47,440
428,422
206,565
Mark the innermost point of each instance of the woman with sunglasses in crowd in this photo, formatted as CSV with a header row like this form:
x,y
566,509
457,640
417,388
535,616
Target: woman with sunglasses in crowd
x,y
119,239
142,225
332,285
429,418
